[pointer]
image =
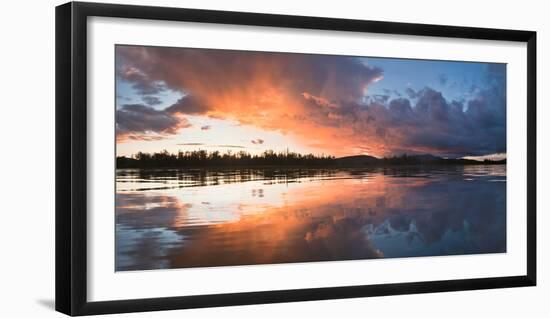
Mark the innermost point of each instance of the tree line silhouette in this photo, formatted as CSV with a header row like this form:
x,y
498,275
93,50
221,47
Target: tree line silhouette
x,y
203,158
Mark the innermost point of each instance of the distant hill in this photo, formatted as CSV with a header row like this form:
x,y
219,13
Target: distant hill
x,y
361,160
427,159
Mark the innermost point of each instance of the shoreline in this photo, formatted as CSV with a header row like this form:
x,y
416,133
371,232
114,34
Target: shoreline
x,y
305,167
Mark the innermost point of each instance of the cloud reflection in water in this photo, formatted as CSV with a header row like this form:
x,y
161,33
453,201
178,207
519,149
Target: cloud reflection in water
x,y
191,218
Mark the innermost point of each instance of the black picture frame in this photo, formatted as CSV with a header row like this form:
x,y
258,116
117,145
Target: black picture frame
x,y
71,157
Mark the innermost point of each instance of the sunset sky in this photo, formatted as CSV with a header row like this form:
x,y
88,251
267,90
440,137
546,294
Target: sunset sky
x,y
190,99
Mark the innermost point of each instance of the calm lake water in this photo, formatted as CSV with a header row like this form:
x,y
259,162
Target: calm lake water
x,y
200,217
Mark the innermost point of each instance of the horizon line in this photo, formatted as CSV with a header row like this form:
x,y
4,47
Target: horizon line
x,y
497,156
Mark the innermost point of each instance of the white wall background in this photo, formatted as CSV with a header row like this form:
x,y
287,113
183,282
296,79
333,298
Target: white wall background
x,y
27,130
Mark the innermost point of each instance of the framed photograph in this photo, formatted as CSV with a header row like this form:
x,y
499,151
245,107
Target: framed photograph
x,y
208,158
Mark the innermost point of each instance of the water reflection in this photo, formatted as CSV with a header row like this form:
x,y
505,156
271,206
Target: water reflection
x,y
189,218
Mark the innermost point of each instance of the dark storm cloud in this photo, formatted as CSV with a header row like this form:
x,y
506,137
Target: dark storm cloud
x,y
140,81
442,125
151,100
188,105
411,93
140,122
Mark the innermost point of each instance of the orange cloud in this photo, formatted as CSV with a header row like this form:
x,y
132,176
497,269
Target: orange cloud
x,y
290,93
